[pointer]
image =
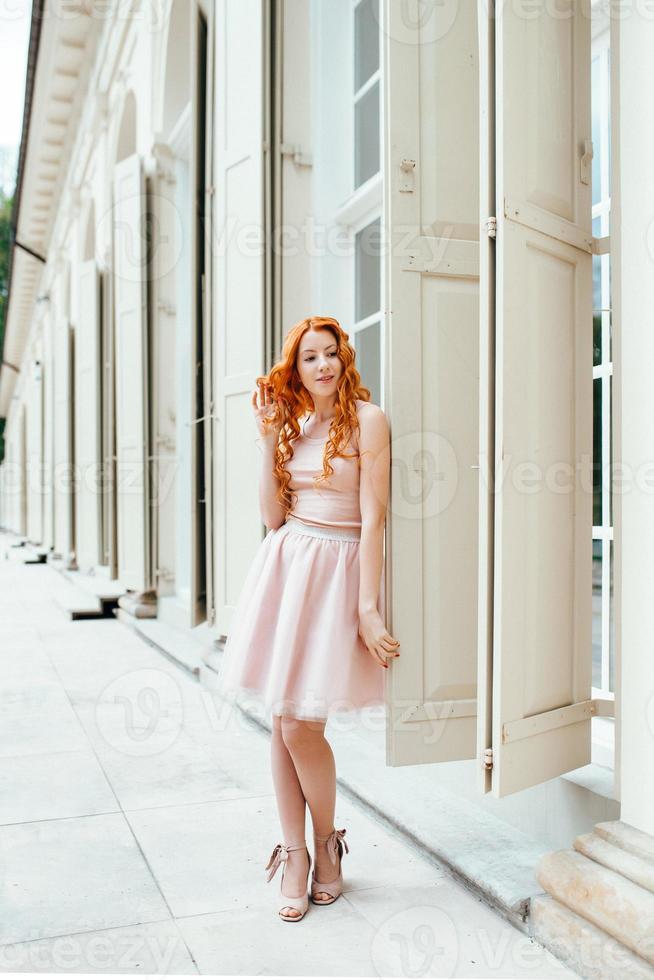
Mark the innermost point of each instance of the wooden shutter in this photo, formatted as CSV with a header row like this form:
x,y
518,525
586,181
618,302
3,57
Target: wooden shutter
x,y
240,321
201,210
22,470
540,413
164,371
207,320
109,507
63,443
34,461
88,499
431,276
130,280
48,433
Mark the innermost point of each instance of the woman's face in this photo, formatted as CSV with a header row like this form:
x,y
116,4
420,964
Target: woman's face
x,y
317,359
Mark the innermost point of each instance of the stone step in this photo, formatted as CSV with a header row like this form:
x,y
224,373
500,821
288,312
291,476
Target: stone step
x,y
75,602
617,906
625,863
628,838
582,946
104,591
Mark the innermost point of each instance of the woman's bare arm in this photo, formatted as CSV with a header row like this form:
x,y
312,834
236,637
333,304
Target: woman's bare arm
x,y
374,451
273,513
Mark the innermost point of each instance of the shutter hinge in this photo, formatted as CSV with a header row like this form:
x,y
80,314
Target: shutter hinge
x,y
585,162
165,574
294,150
488,758
491,227
407,178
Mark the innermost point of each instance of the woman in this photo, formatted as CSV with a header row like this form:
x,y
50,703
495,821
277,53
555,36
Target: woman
x,y
308,632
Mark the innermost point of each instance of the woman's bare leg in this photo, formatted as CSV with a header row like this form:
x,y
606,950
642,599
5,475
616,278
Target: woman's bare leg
x,y
291,805
316,769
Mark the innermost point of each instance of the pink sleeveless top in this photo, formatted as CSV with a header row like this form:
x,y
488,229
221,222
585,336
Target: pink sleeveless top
x,y
335,501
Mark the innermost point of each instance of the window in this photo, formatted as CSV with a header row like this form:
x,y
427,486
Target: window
x,y
367,337
366,91
603,651
367,301
347,176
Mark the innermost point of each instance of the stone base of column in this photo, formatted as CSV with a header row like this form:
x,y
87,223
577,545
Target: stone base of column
x,y
141,605
598,915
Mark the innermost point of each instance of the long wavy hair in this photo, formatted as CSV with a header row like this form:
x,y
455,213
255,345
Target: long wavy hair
x,y
294,401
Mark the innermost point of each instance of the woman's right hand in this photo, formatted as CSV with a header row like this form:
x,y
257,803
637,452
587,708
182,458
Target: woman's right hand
x,y
263,403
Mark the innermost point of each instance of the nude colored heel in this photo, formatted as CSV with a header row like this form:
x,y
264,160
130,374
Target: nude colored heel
x,y
336,843
279,854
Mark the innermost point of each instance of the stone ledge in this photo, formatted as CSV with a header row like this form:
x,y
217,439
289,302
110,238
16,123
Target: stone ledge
x,y
187,651
596,779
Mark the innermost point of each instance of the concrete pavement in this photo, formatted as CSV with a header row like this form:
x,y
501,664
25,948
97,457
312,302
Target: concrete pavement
x,y
137,814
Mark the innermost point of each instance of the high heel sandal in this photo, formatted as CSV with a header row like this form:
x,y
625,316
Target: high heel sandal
x,y
335,843
300,904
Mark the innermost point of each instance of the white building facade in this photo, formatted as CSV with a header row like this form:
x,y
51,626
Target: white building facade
x,y
468,191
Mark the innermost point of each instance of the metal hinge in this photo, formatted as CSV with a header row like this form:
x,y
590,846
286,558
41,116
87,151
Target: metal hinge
x,y
586,162
488,758
294,150
491,227
407,178
165,574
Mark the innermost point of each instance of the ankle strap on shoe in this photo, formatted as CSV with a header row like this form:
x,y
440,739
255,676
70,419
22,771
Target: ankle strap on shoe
x,y
279,854
333,840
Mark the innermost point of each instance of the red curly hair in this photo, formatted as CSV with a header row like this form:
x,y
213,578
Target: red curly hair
x,y
293,401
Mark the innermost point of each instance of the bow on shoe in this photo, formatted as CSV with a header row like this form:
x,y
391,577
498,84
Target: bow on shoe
x,y
333,841
279,854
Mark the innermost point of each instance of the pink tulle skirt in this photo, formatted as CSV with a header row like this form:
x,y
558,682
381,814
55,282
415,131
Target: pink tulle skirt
x,y
294,640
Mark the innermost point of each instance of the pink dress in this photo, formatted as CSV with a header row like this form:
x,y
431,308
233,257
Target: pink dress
x,y
294,642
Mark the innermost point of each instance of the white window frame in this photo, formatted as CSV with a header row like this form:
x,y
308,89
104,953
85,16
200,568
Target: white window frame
x,y
603,729
364,205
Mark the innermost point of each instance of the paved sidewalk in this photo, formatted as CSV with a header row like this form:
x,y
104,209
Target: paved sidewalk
x,y
137,814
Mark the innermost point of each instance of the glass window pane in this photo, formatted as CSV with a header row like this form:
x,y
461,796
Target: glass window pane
x,y
368,270
611,625
597,338
610,315
367,343
611,450
597,614
596,109
366,41
608,109
366,136
597,451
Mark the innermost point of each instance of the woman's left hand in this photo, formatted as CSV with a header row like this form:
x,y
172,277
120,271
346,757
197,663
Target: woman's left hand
x,y
379,642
